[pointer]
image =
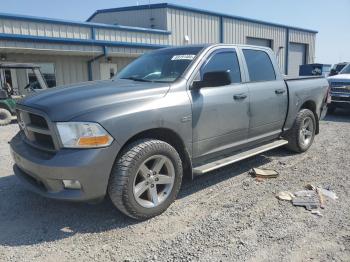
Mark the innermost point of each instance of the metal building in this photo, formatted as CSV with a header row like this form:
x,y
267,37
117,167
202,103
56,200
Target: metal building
x,y
71,52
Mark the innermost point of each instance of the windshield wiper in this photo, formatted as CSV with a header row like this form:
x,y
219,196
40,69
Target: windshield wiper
x,y
136,79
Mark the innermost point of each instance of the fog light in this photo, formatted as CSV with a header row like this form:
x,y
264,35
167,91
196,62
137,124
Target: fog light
x,y
71,184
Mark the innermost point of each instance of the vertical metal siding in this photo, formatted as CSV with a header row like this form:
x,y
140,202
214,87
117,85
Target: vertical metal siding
x,y
8,26
34,48
139,18
200,28
237,31
304,38
114,35
120,61
68,70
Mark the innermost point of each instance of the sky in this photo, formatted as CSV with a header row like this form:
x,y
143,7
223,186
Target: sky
x,y
330,18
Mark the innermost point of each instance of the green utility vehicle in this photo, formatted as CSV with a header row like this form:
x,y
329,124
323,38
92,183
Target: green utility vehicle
x,y
17,81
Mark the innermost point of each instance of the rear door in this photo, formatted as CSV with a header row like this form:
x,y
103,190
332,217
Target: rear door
x,y
268,95
220,114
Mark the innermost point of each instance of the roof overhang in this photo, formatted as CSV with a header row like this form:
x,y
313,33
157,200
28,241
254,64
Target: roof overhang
x,y
18,65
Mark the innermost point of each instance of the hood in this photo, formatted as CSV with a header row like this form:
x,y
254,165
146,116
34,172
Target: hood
x,y
66,102
340,77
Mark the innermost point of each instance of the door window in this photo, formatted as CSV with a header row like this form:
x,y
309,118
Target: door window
x,y
259,65
223,61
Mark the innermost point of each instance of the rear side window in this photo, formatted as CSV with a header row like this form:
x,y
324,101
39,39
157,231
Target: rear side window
x,y
223,61
259,65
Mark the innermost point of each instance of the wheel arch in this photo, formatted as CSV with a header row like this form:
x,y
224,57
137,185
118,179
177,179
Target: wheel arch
x,y
311,105
172,138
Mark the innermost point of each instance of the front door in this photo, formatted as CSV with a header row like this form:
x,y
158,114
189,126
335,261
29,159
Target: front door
x,y
220,114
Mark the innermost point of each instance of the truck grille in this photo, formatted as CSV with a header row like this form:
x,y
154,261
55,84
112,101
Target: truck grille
x,y
340,90
36,130
339,84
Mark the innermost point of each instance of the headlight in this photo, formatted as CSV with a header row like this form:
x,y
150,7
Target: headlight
x,y
83,135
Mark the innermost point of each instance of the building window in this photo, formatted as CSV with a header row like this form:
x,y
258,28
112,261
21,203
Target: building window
x,y
48,71
259,42
259,65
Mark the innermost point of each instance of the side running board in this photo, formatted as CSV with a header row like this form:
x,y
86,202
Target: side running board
x,y
237,157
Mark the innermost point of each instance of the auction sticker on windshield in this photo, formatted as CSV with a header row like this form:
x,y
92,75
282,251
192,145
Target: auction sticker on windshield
x,y
183,57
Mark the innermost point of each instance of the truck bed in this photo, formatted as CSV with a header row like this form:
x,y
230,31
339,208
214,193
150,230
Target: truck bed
x,y
304,89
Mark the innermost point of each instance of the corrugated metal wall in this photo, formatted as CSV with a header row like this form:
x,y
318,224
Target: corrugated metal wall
x,y
12,26
53,30
200,28
237,31
131,37
50,48
68,69
139,18
120,61
304,38
126,51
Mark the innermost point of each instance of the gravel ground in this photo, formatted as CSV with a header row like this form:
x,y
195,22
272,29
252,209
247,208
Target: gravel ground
x,y
223,216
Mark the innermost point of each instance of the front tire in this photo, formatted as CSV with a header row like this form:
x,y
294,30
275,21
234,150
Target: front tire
x,y
5,117
145,179
301,135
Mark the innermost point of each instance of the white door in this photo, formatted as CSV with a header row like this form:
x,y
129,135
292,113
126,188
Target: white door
x,y
296,57
108,70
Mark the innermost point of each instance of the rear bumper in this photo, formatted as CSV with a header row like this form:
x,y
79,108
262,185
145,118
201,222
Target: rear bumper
x,y
43,173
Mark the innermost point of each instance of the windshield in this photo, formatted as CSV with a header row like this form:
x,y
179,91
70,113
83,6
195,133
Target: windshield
x,y
346,70
164,65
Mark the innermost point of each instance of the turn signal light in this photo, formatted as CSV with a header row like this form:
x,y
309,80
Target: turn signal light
x,y
94,141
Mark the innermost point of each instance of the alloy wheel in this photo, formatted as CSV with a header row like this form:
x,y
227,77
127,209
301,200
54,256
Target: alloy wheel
x,y
154,181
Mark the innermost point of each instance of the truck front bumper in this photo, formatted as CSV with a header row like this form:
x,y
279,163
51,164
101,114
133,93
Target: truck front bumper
x,y
44,173
340,100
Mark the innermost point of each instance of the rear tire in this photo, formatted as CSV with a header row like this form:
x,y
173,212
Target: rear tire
x,y
145,179
301,136
5,117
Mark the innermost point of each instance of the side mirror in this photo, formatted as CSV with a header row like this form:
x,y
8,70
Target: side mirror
x,y
213,79
333,72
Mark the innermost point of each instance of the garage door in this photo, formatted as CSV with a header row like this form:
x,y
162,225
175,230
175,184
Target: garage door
x,y
296,57
259,42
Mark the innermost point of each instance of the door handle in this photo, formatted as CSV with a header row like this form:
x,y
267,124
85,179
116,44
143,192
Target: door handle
x,y
279,91
240,97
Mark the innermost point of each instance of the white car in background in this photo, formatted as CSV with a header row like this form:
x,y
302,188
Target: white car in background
x,y
340,89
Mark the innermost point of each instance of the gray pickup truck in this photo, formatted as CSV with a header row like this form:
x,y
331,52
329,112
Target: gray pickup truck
x,y
172,112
